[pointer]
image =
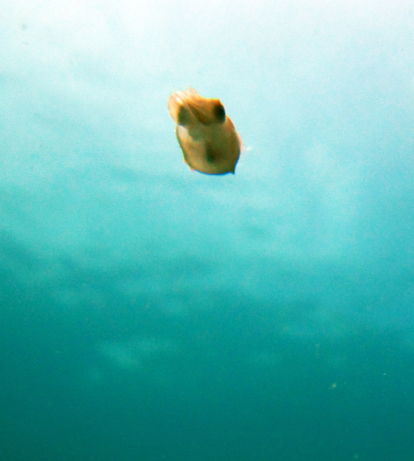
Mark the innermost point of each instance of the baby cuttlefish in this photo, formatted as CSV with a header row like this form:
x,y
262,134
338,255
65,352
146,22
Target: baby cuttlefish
x,y
207,137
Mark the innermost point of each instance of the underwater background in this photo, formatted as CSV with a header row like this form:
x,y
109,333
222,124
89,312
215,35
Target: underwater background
x,y
148,312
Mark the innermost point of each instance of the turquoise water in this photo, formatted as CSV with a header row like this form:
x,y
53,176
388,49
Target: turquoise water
x,y
150,313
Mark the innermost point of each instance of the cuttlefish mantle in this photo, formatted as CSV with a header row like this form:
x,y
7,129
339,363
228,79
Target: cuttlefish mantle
x,y
207,137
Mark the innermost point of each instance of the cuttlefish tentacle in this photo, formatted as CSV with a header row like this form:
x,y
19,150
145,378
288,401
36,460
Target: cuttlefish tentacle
x,y
206,135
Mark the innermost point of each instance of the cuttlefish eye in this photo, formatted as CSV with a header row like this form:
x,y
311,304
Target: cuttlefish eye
x,y
220,113
206,135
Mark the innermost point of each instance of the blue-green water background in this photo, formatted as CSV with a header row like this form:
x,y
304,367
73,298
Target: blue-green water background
x,y
152,313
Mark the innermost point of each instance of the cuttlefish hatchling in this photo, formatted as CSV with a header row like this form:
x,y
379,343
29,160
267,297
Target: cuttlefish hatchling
x,y
207,137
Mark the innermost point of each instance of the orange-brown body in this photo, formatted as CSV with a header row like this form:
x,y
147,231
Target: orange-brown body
x,y
207,137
